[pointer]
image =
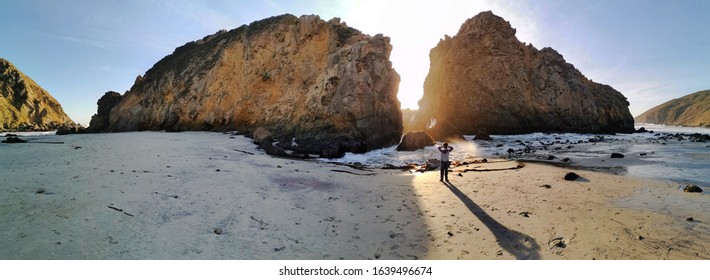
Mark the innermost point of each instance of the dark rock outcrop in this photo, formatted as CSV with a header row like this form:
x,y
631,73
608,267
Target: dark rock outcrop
x,y
692,188
689,110
415,140
323,85
25,106
100,120
483,80
13,139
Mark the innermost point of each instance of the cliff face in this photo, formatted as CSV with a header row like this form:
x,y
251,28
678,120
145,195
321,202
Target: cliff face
x,y
322,84
689,110
100,120
485,81
24,105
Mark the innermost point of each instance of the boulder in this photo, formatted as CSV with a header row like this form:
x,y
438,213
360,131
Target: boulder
x,y
415,140
261,135
482,136
484,80
13,139
322,84
692,188
571,176
643,130
432,164
617,155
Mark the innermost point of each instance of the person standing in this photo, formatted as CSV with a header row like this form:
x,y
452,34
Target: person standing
x,y
445,163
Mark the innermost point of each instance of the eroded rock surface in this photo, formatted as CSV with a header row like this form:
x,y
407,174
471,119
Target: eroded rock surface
x,y
25,106
323,86
484,81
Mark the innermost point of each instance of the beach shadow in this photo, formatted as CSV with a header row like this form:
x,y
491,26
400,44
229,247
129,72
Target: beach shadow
x,y
583,180
520,245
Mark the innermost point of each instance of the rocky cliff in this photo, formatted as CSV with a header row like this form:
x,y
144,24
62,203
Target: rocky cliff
x,y
100,121
24,105
324,86
689,110
484,81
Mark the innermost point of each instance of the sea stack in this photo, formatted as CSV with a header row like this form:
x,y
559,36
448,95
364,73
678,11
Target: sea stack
x,y
485,81
322,86
690,110
25,106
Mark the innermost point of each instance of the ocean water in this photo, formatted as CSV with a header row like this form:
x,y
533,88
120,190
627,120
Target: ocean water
x,y
646,155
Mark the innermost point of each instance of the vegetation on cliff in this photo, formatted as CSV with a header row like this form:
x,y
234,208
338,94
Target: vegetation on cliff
x,y
25,106
690,110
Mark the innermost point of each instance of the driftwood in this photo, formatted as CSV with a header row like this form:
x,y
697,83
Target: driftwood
x,y
262,224
120,210
345,171
519,166
248,153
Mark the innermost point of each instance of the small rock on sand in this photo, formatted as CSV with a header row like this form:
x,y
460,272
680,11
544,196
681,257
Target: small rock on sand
x,y
571,176
693,189
217,230
617,155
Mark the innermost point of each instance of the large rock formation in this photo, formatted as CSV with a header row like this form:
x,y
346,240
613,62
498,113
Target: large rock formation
x,y
323,85
25,106
485,81
415,140
100,120
689,110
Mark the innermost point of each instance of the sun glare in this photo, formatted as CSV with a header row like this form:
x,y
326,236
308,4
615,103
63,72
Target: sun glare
x,y
414,28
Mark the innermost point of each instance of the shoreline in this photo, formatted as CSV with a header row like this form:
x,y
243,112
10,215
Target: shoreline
x,y
195,195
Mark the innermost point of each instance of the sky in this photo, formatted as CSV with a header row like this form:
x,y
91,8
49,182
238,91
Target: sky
x,y
651,51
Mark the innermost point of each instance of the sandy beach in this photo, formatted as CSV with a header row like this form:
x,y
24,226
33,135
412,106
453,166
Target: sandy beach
x,y
199,195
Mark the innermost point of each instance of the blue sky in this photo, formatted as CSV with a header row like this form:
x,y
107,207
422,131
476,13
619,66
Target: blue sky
x,y
651,51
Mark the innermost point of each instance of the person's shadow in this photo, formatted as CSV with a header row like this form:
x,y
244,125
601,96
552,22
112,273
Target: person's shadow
x,y
522,246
